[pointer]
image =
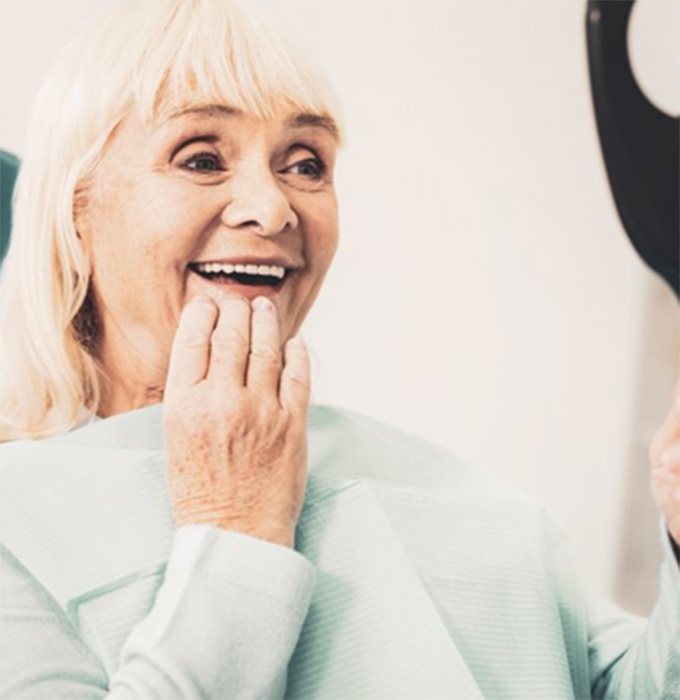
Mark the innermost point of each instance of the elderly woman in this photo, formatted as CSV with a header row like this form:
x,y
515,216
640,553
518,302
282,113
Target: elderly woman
x,y
161,537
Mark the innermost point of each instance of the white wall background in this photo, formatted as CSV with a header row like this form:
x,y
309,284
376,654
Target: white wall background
x,y
484,294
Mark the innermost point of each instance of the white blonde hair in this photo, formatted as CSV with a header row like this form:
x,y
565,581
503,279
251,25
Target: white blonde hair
x,y
155,57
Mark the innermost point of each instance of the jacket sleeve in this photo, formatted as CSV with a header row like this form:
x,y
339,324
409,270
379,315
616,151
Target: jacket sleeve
x,y
224,623
636,659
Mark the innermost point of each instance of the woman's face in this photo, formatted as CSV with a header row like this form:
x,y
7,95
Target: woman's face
x,y
175,208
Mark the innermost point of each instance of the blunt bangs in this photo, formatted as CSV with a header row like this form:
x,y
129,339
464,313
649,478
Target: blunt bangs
x,y
222,52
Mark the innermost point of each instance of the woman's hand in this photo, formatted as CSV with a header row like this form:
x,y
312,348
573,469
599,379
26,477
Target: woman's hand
x,y
664,456
235,418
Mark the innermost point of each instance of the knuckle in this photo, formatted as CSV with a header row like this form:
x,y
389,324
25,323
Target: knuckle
x,y
229,336
192,339
266,353
299,381
268,414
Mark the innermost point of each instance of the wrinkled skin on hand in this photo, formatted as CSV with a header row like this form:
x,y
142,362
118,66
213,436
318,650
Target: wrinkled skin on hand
x,y
664,456
235,419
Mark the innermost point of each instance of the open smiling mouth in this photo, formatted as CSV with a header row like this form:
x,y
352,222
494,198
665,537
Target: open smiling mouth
x,y
271,276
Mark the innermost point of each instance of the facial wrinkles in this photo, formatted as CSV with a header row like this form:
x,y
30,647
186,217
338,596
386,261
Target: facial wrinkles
x,y
252,190
150,183
232,141
249,150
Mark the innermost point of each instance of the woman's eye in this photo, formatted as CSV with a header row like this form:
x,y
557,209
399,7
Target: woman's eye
x,y
312,168
203,162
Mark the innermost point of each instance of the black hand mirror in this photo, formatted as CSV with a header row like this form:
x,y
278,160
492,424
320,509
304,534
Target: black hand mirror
x,y
640,143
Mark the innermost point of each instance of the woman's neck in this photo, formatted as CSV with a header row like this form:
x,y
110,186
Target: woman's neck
x,y
121,401
132,379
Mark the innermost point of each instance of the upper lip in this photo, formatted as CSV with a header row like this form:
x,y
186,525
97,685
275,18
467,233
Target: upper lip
x,y
249,260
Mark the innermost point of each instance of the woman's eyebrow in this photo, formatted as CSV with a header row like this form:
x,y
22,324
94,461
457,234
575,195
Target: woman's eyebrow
x,y
210,110
310,119
301,119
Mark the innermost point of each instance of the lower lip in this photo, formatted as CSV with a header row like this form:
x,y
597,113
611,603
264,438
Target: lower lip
x,y
197,284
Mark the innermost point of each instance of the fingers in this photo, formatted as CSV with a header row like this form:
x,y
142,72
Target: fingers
x,y
264,361
190,353
665,483
230,344
295,377
668,433
233,346
669,464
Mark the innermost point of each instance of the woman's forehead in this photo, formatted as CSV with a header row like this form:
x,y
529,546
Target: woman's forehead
x,y
134,135
290,118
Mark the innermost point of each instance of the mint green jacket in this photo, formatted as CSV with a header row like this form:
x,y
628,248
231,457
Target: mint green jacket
x,y
415,576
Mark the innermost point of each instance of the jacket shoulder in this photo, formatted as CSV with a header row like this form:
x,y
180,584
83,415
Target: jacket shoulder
x,y
349,444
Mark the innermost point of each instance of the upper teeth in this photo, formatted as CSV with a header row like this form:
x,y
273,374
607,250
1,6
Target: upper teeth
x,y
271,270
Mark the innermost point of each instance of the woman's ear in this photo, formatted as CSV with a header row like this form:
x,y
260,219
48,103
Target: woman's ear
x,y
82,230
83,250
85,257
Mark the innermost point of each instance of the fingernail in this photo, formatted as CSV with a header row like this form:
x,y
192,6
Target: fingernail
x,y
201,298
262,304
298,340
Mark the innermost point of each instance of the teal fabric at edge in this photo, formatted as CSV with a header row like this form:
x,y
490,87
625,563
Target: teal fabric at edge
x,y
9,169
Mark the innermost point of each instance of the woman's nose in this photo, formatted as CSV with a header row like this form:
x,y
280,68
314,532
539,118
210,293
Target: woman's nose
x,y
257,201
